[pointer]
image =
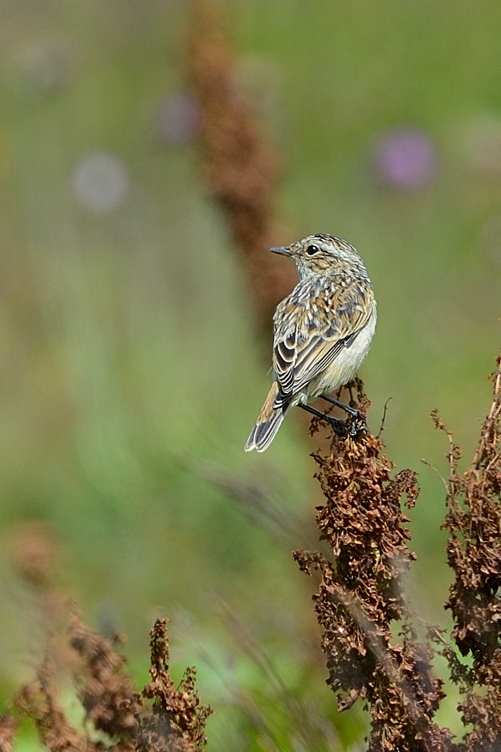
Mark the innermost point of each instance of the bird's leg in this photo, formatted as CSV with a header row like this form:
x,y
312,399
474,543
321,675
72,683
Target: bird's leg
x,y
350,389
358,423
337,425
350,410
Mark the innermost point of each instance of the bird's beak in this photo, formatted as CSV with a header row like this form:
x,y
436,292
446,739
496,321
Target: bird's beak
x,y
283,250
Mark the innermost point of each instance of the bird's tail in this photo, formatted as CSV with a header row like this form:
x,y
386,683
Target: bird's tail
x,y
268,422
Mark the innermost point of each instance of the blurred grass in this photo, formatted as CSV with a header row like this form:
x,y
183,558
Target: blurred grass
x,y
128,352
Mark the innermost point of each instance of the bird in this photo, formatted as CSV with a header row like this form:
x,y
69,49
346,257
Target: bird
x,y
322,332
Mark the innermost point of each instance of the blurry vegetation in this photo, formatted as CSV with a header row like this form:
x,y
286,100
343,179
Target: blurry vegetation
x,y
111,710
131,370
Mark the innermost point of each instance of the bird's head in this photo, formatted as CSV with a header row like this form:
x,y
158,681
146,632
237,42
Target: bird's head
x,y
321,254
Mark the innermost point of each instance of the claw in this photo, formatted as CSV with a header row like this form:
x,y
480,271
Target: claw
x,y
358,424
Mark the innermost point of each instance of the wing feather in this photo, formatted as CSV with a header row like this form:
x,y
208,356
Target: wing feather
x,y
311,331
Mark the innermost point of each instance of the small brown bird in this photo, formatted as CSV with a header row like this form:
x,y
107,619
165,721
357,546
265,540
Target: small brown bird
x,y
323,331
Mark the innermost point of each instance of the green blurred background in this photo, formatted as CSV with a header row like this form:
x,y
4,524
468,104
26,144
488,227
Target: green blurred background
x,y
131,372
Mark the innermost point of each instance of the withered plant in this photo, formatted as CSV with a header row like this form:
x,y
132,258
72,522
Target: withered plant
x,y
360,596
474,554
240,167
162,717
360,599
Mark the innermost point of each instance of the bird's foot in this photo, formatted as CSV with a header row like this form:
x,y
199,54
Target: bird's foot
x,y
352,426
358,424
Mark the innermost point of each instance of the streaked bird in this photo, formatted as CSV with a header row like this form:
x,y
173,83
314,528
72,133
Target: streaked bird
x,y
323,331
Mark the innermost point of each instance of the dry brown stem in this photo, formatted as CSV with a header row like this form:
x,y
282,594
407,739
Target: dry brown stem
x,y
240,168
116,716
360,598
474,554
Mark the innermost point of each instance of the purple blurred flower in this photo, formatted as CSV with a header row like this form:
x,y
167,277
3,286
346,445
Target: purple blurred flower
x,y
100,181
179,119
406,158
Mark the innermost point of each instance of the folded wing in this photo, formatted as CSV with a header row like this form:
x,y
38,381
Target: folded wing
x,y
307,341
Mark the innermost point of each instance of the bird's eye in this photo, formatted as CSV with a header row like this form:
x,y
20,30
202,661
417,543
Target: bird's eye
x,y
312,249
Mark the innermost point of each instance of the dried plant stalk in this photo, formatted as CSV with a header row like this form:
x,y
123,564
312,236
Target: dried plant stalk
x,y
240,168
177,715
125,719
474,554
360,596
